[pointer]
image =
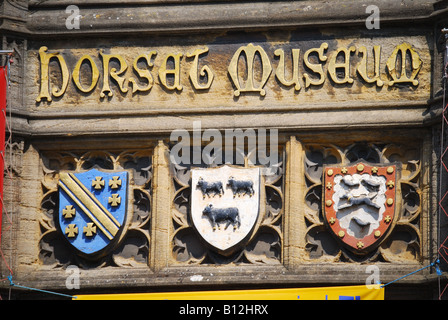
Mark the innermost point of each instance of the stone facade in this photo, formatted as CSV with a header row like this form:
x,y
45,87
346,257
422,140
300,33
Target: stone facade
x,y
108,94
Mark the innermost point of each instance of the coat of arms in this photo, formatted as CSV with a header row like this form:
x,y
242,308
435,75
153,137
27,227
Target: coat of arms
x,y
225,205
359,203
92,208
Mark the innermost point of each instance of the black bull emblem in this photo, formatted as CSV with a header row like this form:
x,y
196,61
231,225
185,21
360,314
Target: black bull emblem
x,y
238,187
241,187
228,215
208,188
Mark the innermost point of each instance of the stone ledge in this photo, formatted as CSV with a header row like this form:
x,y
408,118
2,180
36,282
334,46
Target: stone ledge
x,y
181,17
172,278
72,126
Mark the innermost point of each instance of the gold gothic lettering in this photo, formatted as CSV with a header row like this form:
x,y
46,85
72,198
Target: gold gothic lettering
x,y
416,64
250,51
362,67
280,73
44,75
95,74
163,72
249,70
205,71
316,68
113,73
333,65
143,73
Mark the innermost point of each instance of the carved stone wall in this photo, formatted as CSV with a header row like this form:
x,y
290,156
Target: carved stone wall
x,y
265,247
133,247
291,242
404,243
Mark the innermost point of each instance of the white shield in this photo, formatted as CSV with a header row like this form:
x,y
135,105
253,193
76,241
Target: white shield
x,y
225,204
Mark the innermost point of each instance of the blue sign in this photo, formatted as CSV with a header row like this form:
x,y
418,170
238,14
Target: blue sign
x,y
92,208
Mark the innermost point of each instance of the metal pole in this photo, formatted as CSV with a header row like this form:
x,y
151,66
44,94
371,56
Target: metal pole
x,y
442,142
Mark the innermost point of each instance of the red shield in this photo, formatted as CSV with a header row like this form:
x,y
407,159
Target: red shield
x,y
359,203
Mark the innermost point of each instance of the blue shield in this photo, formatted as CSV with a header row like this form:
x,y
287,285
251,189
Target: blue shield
x,y
92,208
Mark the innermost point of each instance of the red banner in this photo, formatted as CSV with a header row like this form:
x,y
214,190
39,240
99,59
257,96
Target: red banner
x,y
3,85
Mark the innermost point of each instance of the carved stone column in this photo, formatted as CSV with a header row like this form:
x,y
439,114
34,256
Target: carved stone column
x,y
161,208
294,204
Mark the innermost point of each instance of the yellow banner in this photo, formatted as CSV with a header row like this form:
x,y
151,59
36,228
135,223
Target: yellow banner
x,y
324,293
